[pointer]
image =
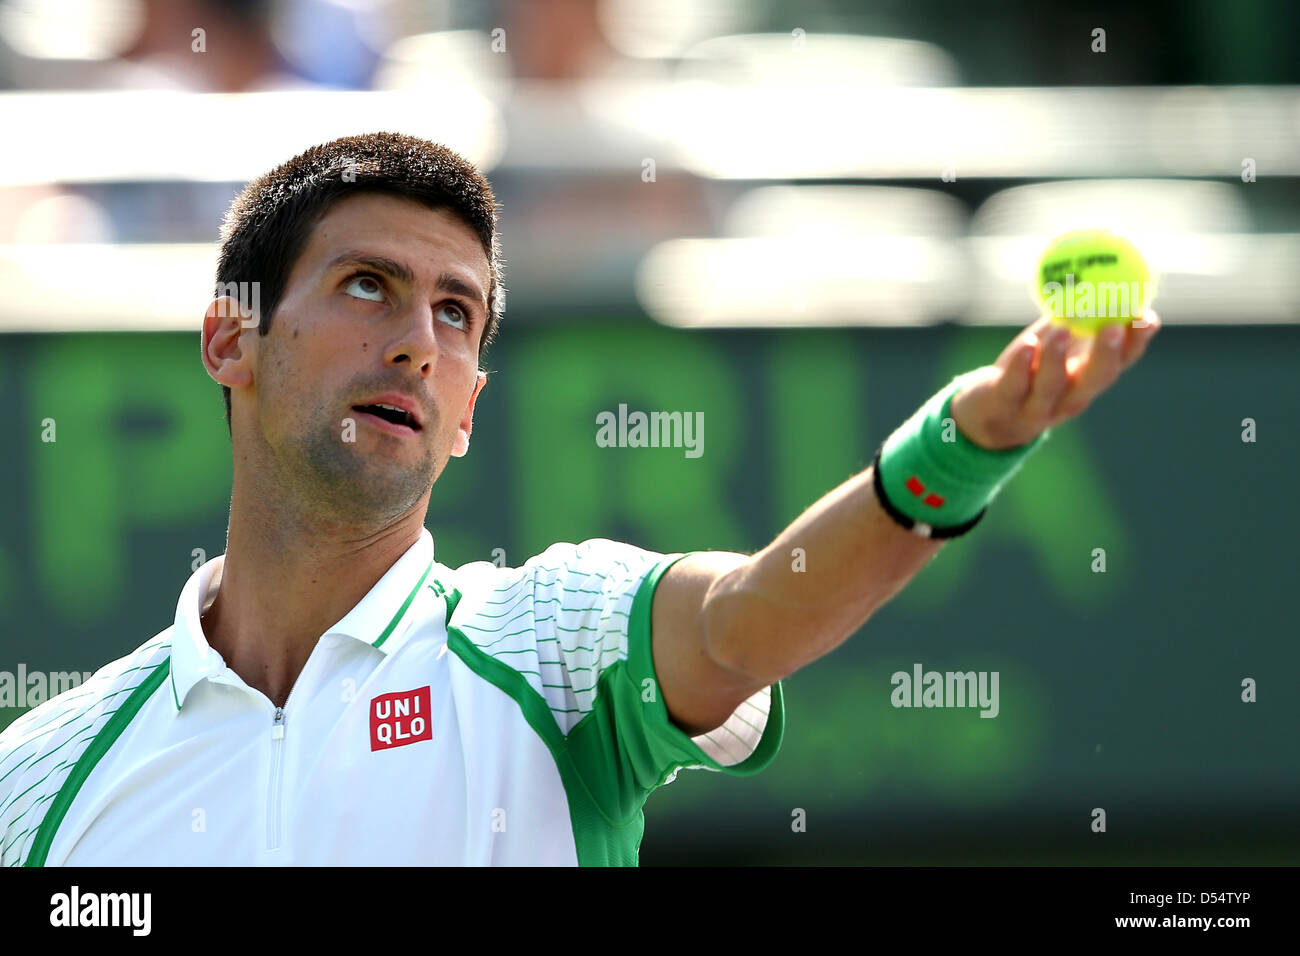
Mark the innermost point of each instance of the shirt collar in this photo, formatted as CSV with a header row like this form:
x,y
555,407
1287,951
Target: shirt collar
x,y
380,619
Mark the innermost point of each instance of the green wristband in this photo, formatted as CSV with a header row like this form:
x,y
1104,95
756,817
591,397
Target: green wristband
x,y
944,483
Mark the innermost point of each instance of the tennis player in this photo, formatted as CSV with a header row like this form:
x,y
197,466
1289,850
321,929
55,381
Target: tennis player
x,y
329,693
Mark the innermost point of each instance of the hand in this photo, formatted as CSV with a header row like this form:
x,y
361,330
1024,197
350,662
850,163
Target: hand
x,y
1037,382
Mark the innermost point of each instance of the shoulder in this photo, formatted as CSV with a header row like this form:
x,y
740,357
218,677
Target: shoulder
x,y
39,750
106,688
592,556
580,572
558,621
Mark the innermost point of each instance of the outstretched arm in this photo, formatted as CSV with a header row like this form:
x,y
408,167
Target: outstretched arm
x,y
725,625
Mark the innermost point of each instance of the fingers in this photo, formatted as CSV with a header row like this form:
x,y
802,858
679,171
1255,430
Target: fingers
x,y
1093,371
1031,335
1140,334
1096,372
1017,373
1050,377
1018,359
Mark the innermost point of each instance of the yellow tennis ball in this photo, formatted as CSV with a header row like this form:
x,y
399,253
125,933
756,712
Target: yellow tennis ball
x,y
1091,278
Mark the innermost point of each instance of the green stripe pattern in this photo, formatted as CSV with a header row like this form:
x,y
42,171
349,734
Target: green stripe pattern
x,y
569,639
47,754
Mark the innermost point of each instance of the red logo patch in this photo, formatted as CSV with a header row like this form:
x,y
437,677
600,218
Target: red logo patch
x,y
400,719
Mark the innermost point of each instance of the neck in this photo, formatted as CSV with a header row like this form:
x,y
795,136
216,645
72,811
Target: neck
x,y
288,576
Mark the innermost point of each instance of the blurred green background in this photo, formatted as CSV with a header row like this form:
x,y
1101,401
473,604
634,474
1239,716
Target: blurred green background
x,y
1119,690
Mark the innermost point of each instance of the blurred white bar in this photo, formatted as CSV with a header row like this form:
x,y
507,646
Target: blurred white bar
x,y
803,59
793,281
70,29
147,136
102,288
1130,207
833,255
1205,279
901,256
428,61
1195,235
895,132
797,130
772,281
824,213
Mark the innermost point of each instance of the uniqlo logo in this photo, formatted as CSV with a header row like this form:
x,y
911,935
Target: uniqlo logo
x,y
400,719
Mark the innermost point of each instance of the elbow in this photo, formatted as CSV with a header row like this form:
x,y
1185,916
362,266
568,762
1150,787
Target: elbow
x,y
743,636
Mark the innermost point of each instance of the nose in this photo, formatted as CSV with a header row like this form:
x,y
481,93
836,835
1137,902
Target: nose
x,y
415,345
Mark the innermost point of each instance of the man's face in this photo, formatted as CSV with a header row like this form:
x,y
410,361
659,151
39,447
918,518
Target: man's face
x,y
386,304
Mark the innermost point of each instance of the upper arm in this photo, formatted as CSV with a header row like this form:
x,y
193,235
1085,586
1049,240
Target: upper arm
x,y
698,692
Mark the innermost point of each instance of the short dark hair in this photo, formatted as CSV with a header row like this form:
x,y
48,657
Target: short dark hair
x,y
268,225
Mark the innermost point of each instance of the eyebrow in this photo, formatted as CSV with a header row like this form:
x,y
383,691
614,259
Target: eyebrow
x,y
447,282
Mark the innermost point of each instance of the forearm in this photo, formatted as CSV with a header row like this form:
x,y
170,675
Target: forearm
x,y
773,613
846,556
810,589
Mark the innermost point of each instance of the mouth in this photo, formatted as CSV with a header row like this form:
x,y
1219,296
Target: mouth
x,y
389,418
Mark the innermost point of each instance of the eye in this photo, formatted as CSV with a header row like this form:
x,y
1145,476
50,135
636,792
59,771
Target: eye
x,y
460,320
369,288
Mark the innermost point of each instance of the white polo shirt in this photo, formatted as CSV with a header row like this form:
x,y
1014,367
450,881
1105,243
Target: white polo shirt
x,y
476,716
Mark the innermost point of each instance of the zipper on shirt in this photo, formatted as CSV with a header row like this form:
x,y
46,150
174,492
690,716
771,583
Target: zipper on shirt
x,y
273,796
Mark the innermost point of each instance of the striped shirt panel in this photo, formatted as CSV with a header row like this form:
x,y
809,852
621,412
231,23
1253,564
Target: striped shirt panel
x,y
40,749
562,618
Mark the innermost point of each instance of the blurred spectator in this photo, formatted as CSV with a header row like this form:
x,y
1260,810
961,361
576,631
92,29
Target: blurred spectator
x,y
557,40
204,46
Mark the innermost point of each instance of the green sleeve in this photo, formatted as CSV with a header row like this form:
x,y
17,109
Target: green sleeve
x,y
628,746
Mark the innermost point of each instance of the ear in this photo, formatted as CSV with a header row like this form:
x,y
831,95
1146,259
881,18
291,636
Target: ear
x,y
461,445
227,353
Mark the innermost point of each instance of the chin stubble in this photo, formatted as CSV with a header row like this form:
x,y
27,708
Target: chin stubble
x,y
343,479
